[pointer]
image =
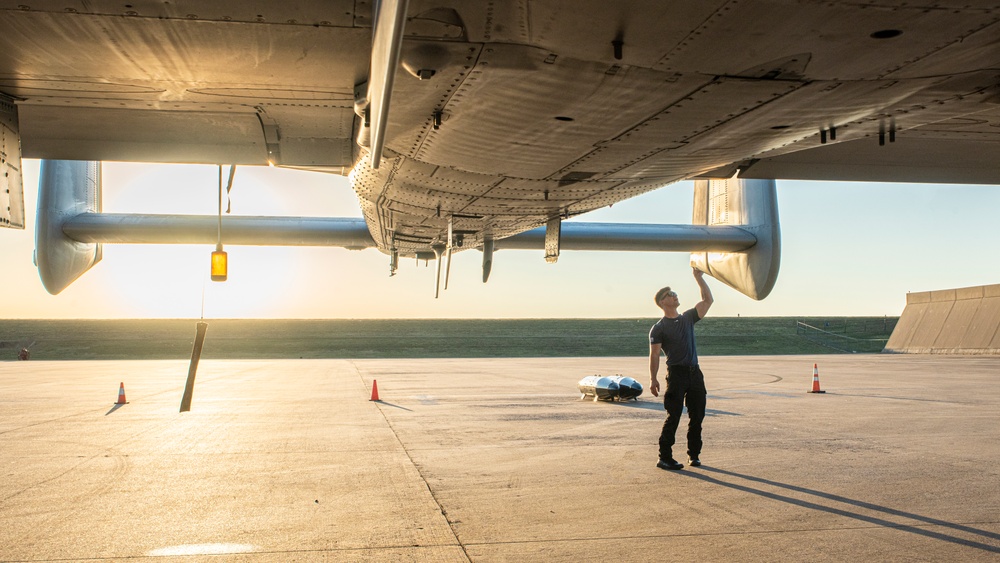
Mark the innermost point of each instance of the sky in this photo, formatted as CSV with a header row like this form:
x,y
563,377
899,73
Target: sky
x,y
848,249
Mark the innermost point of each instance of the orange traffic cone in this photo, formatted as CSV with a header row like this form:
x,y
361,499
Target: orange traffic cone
x,y
815,388
121,394
374,391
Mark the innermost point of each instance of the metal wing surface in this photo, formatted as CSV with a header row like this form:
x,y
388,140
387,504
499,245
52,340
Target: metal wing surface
x,y
507,114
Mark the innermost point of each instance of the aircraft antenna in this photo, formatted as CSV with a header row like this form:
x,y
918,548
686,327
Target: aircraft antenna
x,y
229,200
451,236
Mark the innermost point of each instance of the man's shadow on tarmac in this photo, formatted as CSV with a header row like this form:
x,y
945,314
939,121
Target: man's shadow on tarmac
x,y
915,529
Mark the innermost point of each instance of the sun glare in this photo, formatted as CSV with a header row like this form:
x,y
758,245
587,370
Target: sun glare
x,y
170,281
167,281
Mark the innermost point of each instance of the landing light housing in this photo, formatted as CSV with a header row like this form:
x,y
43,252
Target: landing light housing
x,y
220,264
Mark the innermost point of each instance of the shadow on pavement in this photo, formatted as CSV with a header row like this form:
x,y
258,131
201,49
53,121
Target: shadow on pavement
x,y
699,473
393,406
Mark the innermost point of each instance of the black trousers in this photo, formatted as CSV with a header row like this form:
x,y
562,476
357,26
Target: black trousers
x,y
685,384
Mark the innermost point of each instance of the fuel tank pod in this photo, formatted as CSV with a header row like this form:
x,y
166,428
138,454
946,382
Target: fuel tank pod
x,y
609,387
602,388
628,388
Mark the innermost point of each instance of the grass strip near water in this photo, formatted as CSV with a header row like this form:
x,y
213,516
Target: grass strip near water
x,y
448,338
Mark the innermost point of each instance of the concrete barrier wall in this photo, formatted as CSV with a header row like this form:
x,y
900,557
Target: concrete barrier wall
x,y
949,321
907,324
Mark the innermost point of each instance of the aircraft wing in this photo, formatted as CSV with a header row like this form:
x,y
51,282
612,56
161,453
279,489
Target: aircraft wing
x,y
958,150
508,116
194,82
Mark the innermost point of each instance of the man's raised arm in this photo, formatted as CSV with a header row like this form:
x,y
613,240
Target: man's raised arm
x,y
706,294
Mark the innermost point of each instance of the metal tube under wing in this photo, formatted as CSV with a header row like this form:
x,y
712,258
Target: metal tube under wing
x,y
638,237
354,234
203,229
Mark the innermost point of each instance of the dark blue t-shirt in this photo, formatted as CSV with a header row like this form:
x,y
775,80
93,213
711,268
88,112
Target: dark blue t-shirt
x,y
676,336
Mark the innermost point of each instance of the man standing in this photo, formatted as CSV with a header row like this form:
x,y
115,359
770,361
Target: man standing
x,y
674,334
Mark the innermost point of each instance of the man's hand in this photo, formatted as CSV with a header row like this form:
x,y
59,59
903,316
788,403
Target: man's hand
x,y
698,274
654,387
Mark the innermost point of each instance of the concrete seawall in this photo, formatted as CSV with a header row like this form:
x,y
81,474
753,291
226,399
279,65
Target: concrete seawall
x,y
949,321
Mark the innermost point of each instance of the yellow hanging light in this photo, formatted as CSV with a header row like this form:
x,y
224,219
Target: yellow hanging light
x,y
220,261
220,264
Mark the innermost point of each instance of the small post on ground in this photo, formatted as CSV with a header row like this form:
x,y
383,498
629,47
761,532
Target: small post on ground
x,y
199,340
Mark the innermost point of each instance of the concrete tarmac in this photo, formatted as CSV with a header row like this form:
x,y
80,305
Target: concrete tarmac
x,y
498,460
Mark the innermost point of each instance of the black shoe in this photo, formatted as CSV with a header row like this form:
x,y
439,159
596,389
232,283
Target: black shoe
x,y
694,462
669,464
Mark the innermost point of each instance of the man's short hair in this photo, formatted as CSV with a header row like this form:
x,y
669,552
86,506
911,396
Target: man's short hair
x,y
660,295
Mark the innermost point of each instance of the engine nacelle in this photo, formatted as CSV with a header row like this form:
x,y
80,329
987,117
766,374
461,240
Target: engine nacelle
x,y
751,205
66,188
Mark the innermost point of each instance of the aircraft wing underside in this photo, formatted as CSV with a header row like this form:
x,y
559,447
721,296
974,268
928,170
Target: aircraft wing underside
x,y
509,115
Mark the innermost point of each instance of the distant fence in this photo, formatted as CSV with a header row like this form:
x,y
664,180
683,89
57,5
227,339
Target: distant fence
x,y
847,334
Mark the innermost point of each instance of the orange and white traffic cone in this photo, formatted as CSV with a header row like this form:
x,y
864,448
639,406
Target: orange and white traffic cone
x,y
815,388
121,394
374,391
